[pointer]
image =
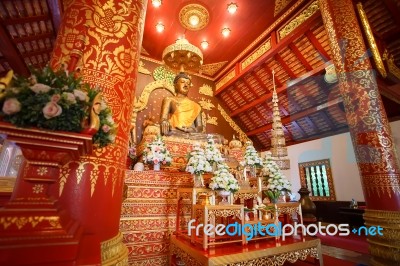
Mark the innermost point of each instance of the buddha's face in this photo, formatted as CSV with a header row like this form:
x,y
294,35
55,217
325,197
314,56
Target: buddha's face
x,y
182,86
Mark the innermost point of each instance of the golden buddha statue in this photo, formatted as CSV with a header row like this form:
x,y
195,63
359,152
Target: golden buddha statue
x,y
179,114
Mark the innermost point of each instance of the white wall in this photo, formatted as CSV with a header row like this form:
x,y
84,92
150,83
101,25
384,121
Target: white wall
x,y
339,149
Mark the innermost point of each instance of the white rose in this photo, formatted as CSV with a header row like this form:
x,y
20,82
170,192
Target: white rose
x,y
81,95
39,87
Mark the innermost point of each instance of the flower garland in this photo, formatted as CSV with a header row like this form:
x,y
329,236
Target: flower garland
x,y
54,100
197,162
224,180
251,157
156,152
277,182
212,153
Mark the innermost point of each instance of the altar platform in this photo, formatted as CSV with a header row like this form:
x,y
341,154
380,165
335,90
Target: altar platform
x,y
263,252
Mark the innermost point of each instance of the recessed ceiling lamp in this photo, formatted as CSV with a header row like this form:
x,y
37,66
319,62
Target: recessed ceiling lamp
x,y
232,7
204,44
226,32
156,3
160,27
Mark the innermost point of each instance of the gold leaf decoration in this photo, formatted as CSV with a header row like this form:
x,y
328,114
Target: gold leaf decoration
x,y
242,136
212,120
211,69
206,90
206,104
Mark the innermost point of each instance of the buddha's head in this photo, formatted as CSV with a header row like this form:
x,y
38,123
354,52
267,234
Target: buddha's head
x,y
182,83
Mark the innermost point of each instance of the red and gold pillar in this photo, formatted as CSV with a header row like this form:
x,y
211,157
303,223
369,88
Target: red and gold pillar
x,y
369,129
91,189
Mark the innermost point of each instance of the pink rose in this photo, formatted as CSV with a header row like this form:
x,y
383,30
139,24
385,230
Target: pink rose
x,y
39,87
55,98
51,110
11,106
105,128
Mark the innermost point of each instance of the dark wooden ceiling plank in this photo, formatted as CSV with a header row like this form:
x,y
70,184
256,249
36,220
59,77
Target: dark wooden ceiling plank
x,y
327,119
300,30
277,80
22,20
281,89
37,52
254,74
300,56
285,66
299,129
11,53
36,37
394,10
318,45
297,116
311,123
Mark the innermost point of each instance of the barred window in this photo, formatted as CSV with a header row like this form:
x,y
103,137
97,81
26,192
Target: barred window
x,y
317,177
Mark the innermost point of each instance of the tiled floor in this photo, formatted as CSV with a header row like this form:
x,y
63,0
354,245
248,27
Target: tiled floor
x,y
359,258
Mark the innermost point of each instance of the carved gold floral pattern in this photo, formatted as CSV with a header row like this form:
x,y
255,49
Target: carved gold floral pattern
x,y
280,5
206,90
206,104
265,47
38,188
211,69
42,171
225,80
297,21
212,120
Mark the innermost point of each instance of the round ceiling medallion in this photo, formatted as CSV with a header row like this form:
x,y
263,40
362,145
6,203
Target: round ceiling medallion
x,y
194,17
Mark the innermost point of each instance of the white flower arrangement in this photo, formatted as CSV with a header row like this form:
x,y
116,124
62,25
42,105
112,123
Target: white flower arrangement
x,y
224,180
212,153
251,157
197,162
156,152
277,182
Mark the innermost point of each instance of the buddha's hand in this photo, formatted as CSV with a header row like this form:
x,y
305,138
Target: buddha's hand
x,y
165,127
186,129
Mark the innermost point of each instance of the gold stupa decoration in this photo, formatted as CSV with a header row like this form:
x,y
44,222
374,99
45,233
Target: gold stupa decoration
x,y
183,56
278,144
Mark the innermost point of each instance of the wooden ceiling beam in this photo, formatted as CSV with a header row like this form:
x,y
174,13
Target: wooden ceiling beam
x,y
11,53
298,128
281,89
394,10
318,45
285,66
300,56
297,116
260,81
23,20
282,44
36,37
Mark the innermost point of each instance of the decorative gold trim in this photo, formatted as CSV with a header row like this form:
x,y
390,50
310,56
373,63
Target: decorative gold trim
x,y
143,70
280,5
206,104
114,252
242,136
297,21
225,80
371,41
141,103
192,10
7,184
211,69
265,47
393,69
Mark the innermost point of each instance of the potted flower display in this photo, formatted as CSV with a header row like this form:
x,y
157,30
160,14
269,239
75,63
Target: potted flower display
x,y
224,182
277,182
59,101
156,153
197,165
251,159
212,153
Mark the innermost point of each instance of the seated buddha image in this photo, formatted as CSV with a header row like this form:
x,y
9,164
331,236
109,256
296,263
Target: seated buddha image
x,y
180,116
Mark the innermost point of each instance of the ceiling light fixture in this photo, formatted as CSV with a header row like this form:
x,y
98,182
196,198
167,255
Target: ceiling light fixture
x,y
226,32
156,3
232,7
204,44
160,27
194,20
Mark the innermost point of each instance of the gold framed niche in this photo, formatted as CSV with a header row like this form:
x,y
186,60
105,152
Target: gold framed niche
x,y
316,176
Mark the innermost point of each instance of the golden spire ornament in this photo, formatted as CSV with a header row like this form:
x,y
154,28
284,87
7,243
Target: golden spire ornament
x,y
278,145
